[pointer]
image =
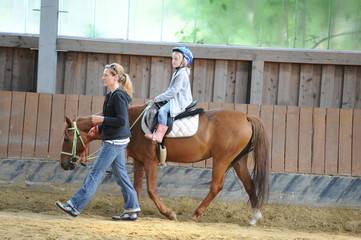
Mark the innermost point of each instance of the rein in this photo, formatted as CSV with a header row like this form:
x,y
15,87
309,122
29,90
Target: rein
x,y
75,159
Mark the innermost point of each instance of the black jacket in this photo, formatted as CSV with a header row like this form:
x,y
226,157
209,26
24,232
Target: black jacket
x,y
115,112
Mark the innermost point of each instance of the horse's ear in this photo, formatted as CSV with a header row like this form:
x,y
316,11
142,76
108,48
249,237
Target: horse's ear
x,y
70,123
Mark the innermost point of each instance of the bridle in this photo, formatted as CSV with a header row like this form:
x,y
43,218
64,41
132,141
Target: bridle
x,y
75,159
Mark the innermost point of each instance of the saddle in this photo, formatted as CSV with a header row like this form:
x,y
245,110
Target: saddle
x,y
151,116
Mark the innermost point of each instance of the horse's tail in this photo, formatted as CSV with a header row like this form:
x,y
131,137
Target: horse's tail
x,y
260,147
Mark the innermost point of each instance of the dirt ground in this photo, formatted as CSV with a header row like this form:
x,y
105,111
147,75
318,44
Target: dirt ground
x,y
33,215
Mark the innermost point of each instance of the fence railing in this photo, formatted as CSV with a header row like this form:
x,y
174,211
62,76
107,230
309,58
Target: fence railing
x,y
303,139
231,74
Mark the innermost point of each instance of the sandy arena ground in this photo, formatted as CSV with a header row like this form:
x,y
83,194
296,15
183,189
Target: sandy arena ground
x,y
33,215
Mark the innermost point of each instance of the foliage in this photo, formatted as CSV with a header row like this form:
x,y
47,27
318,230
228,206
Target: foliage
x,y
321,24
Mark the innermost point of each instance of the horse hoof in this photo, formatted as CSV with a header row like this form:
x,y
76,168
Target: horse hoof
x,y
193,220
250,224
173,216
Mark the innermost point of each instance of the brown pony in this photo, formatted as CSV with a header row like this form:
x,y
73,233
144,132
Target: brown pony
x,y
225,135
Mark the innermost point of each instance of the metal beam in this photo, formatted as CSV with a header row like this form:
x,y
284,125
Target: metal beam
x,y
47,61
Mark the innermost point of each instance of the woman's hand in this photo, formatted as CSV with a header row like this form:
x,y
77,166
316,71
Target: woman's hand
x,y
93,131
96,119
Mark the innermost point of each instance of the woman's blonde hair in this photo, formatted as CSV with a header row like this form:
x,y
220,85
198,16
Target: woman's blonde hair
x,y
123,78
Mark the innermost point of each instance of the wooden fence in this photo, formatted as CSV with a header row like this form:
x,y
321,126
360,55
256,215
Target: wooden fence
x,y
303,139
326,79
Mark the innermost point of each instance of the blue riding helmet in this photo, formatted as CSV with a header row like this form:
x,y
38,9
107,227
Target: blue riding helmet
x,y
186,53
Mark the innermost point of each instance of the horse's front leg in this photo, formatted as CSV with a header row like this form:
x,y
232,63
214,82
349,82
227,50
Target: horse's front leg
x,y
151,171
138,176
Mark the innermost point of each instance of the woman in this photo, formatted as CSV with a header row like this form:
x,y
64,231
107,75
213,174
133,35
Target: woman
x,y
115,130
178,95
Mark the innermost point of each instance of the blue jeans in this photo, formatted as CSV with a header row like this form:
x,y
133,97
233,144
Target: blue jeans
x,y
114,156
163,113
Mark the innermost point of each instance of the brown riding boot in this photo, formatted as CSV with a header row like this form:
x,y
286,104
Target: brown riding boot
x,y
158,134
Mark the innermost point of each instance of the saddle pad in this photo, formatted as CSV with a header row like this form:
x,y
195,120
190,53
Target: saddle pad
x,y
184,127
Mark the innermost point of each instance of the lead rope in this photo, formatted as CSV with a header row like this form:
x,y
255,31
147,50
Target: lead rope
x,y
149,104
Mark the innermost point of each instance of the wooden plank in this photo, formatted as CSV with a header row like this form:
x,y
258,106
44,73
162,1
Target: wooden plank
x,y
349,87
6,60
215,105
16,124
358,90
160,76
199,81
203,80
270,83
243,77
229,106
5,107
292,134
230,83
266,115
332,143
331,87
241,107
23,70
257,82
71,106
57,125
85,106
356,143
288,84
319,140
97,104
345,142
43,126
75,73
30,120
60,72
278,138
305,140
220,80
95,66
310,84
140,75
254,110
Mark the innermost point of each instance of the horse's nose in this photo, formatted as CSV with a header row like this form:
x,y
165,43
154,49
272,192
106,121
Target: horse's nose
x,y
63,166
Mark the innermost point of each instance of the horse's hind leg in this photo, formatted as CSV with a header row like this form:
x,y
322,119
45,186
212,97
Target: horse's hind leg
x,y
242,172
216,186
151,170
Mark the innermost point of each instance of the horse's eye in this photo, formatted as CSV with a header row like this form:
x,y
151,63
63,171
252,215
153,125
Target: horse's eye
x,y
66,140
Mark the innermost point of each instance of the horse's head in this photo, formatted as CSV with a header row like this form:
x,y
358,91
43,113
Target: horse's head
x,y
74,144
